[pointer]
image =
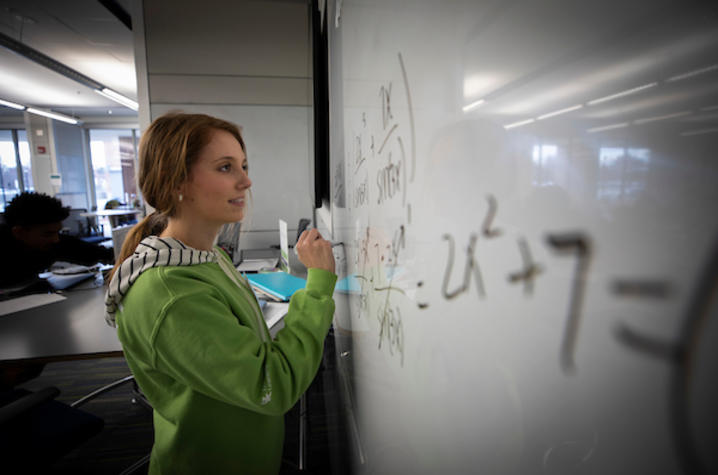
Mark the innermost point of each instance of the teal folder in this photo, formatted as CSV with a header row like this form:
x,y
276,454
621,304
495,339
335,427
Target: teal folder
x,y
279,285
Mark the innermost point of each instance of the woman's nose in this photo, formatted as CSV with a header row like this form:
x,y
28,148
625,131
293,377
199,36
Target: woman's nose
x,y
244,181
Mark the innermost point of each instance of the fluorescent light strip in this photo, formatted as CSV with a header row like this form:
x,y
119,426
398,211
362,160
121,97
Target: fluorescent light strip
x,y
12,105
693,73
559,112
661,117
53,115
119,98
699,132
608,127
473,105
518,124
622,94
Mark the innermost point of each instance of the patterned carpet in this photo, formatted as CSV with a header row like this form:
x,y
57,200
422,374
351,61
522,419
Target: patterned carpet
x,y
128,434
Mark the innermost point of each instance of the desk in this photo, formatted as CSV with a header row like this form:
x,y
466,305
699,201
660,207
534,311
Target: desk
x,y
113,214
73,328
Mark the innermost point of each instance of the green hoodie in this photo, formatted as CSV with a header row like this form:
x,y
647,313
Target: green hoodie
x,y
218,390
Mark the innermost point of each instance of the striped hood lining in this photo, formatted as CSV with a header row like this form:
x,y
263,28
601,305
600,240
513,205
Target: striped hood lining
x,y
151,252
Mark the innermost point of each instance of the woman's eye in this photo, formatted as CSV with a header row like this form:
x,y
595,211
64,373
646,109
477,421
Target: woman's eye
x,y
225,168
245,167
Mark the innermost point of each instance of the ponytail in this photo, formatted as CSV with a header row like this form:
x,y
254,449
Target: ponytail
x,y
152,224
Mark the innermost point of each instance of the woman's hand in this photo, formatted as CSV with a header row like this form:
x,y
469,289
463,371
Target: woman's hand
x,y
314,251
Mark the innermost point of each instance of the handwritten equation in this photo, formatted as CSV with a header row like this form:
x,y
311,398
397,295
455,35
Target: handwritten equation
x,y
382,163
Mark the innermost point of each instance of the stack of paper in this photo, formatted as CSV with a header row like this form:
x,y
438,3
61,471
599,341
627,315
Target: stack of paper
x,y
257,260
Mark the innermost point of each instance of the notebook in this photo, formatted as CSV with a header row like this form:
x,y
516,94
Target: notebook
x,y
277,285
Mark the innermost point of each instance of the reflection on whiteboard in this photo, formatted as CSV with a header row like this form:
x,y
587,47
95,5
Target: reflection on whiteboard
x,y
527,211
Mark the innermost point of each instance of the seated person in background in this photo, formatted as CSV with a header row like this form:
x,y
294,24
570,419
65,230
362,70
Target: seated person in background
x,y
30,240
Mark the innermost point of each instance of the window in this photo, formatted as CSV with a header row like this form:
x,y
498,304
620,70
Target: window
x,y
113,165
543,157
15,173
622,173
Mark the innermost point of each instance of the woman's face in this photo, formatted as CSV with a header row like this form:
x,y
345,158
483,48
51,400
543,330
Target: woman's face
x,y
216,191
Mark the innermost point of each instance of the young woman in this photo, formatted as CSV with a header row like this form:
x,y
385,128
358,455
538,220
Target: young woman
x,y
190,326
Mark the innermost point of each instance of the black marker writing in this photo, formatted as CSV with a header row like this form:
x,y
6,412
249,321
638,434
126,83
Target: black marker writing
x,y
530,270
361,193
489,219
471,268
645,344
641,288
386,115
388,181
410,107
578,244
358,154
392,330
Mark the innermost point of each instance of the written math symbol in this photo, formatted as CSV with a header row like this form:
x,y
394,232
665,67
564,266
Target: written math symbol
x,y
471,269
530,270
358,154
361,193
388,181
410,107
647,345
386,114
489,219
647,289
643,288
392,330
579,245
421,305
401,291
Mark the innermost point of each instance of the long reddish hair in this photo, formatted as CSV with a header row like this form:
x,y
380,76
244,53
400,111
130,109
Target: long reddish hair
x,y
168,149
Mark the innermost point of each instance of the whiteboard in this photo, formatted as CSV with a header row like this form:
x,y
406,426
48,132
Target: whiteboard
x,y
525,192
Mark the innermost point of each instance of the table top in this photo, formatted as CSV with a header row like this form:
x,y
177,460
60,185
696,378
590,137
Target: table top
x,y
73,328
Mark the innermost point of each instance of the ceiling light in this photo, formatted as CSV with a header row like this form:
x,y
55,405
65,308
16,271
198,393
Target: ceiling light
x,y
53,115
518,124
558,112
473,105
661,117
693,73
119,98
12,105
608,127
699,132
622,93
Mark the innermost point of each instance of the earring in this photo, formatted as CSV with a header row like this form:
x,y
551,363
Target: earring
x,y
180,196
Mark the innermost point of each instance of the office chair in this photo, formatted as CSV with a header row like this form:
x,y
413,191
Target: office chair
x,y
36,430
74,224
86,228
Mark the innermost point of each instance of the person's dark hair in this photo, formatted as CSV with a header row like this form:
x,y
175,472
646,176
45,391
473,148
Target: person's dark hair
x,y
32,208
